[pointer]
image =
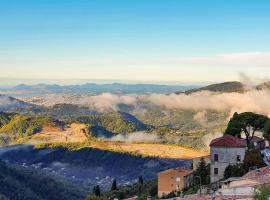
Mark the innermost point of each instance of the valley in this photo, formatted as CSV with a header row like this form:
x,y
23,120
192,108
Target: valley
x,y
88,166
92,139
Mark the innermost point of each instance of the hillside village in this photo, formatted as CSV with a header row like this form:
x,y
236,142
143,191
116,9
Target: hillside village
x,y
238,169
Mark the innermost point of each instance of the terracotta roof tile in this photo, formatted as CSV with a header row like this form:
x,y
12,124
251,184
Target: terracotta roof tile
x,y
183,170
228,141
264,171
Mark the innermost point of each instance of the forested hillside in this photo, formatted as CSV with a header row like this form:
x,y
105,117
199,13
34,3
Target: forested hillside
x,y
17,183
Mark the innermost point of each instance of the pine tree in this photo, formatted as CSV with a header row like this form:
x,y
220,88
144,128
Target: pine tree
x,y
96,190
203,171
140,180
114,185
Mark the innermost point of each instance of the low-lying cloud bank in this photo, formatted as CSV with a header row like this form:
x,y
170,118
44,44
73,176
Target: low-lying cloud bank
x,y
256,101
253,100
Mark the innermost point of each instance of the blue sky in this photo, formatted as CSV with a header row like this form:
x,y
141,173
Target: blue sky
x,y
135,40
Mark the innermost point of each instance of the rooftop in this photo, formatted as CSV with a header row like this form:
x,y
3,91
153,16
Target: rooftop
x,y
264,171
253,178
228,141
178,169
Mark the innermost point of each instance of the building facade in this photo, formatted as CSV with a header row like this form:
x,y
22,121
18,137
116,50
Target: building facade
x,y
174,180
224,151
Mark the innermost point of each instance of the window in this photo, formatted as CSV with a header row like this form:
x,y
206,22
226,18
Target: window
x,y
238,158
216,171
178,179
171,177
215,157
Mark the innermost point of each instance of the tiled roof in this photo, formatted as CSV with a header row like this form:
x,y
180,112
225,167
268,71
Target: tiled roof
x,y
218,197
184,171
264,171
251,179
228,141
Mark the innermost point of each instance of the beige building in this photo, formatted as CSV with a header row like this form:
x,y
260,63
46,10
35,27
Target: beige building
x,y
174,180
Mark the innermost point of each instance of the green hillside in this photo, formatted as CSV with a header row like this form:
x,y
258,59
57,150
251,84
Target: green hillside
x,y
23,184
226,87
113,122
4,118
16,126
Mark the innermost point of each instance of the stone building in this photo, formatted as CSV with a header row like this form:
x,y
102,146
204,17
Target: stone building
x,y
224,151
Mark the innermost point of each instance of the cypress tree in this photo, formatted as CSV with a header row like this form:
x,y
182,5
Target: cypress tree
x,y
141,180
97,191
114,185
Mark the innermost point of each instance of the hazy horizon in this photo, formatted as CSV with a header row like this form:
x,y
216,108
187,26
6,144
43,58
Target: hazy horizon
x,y
8,82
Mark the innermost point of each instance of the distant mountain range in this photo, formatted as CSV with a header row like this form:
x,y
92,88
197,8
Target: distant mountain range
x,y
120,88
95,88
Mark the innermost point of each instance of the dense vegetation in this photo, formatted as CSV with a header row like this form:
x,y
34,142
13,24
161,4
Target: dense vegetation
x,y
252,160
19,184
112,122
140,189
4,118
180,127
248,123
14,127
263,193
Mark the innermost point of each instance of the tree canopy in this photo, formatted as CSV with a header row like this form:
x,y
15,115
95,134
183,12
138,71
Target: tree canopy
x,y
248,123
234,171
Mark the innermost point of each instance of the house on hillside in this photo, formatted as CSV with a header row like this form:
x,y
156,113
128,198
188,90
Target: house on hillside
x,y
224,151
174,180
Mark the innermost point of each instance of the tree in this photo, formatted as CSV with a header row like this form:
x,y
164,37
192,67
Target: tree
x,y
266,131
203,171
96,190
234,171
114,185
253,159
140,180
263,193
246,122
